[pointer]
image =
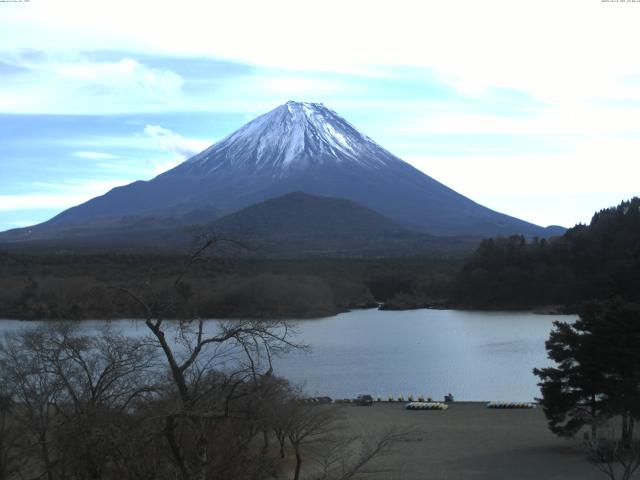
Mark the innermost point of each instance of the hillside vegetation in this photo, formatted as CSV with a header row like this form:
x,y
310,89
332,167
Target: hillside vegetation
x,y
49,286
595,261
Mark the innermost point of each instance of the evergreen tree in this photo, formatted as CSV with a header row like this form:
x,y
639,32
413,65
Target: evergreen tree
x,y
572,392
598,370
616,325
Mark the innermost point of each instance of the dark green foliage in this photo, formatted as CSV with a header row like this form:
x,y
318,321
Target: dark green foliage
x,y
600,261
572,392
616,328
598,369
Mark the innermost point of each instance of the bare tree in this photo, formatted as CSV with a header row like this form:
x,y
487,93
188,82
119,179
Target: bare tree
x,y
70,393
36,390
240,352
279,415
309,423
11,439
335,454
107,369
347,457
101,375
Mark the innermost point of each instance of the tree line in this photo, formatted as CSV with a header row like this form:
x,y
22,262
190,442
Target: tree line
x,y
596,261
62,286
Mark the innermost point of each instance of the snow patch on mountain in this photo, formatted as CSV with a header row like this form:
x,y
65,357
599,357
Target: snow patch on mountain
x,y
291,137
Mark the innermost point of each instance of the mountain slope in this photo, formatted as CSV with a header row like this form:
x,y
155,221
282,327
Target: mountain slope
x,y
301,225
303,147
294,225
299,214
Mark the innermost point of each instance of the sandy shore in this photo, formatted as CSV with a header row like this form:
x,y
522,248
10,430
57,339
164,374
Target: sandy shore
x,y
469,441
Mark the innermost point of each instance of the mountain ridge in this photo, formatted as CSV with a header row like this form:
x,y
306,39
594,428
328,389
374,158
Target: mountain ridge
x,y
294,225
296,147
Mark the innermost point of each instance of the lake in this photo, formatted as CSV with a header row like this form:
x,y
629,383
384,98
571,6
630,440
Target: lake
x,y
474,355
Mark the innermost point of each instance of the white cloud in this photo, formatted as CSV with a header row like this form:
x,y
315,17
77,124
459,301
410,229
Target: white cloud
x,y
292,86
57,195
20,223
175,143
74,84
563,53
579,120
124,74
555,188
95,155
32,201
179,147
558,50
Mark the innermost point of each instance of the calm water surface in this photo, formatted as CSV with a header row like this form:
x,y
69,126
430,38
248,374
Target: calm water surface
x,y
474,355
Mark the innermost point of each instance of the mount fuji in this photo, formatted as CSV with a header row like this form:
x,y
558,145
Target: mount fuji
x,y
297,147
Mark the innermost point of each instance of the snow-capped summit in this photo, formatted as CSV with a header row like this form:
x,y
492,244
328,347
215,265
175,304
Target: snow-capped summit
x,y
297,147
292,136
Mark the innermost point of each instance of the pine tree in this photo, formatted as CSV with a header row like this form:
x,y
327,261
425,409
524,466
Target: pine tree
x,y
598,370
572,392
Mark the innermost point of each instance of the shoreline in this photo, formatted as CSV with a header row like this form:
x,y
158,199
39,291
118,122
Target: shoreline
x,y
535,311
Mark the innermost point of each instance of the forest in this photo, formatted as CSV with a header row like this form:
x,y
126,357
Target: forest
x,y
77,286
596,261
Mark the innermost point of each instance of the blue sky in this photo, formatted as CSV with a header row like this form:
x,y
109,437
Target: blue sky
x,y
531,109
